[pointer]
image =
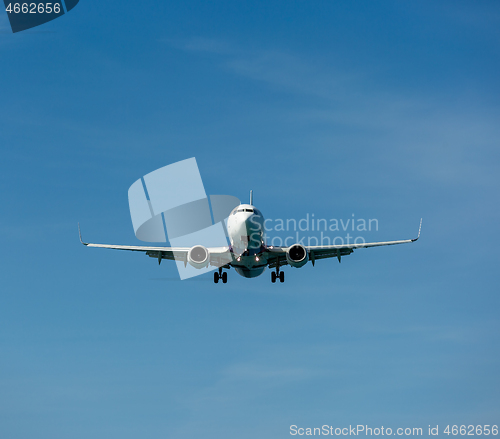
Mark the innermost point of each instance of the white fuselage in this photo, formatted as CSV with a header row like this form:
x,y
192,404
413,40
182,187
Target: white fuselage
x,y
245,227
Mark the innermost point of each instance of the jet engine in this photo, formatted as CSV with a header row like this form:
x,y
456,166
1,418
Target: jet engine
x,y
297,256
198,256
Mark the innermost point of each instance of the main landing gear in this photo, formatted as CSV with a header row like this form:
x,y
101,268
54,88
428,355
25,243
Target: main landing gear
x,y
277,274
220,275
280,276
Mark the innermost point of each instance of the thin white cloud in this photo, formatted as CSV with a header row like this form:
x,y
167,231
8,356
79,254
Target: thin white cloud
x,y
209,45
276,67
448,142
483,16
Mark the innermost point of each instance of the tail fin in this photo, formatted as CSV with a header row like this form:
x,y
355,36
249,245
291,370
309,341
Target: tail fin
x,y
251,198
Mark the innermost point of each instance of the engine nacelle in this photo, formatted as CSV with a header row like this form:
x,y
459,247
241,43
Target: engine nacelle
x,y
198,256
297,256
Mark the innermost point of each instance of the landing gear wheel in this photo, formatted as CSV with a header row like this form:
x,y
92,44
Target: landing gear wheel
x,y
216,278
282,276
273,277
224,277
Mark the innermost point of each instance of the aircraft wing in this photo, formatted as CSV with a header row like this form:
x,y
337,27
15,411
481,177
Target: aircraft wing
x,y
218,255
331,251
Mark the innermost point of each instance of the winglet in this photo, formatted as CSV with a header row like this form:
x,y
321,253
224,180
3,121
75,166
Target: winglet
x,y
251,198
80,233
419,229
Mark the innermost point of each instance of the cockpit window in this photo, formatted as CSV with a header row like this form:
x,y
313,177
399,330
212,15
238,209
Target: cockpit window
x,y
242,210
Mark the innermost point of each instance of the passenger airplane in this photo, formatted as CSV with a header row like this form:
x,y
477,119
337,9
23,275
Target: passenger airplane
x,y
248,253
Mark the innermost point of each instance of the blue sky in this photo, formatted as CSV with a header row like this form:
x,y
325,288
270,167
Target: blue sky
x,y
387,110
